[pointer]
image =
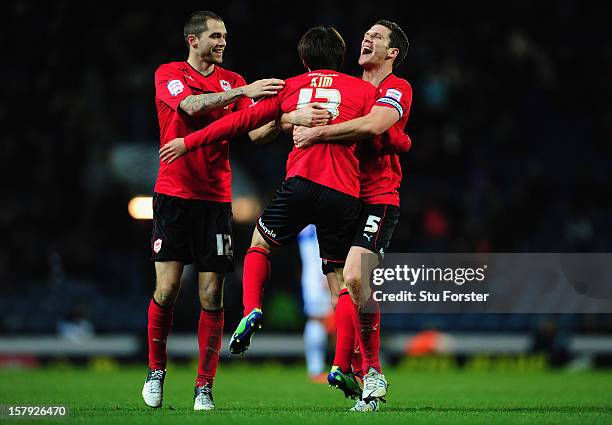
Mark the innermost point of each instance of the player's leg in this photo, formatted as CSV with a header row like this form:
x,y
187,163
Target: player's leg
x,y
161,309
335,233
213,252
159,323
256,272
255,275
366,317
210,332
374,233
341,375
365,311
170,246
279,224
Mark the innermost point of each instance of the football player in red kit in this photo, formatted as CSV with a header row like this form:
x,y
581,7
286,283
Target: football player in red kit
x,y
192,200
357,315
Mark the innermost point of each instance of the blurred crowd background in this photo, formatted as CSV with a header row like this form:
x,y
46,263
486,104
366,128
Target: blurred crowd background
x,y
511,125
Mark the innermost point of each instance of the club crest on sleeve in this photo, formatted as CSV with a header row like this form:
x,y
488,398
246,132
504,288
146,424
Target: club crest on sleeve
x,y
225,85
175,87
157,246
394,94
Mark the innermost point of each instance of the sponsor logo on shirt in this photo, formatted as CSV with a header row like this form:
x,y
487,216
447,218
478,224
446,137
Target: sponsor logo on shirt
x,y
157,246
175,87
265,229
394,94
225,85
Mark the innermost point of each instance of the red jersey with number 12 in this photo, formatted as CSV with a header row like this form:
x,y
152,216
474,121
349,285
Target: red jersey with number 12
x,y
333,165
381,174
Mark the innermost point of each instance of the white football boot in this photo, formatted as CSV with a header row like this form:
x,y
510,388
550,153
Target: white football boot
x,y
374,385
203,398
365,406
153,390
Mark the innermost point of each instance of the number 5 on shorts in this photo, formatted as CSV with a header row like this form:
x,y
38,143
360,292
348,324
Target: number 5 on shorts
x,y
372,224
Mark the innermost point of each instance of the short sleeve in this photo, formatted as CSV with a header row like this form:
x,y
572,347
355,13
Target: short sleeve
x,y
170,86
398,96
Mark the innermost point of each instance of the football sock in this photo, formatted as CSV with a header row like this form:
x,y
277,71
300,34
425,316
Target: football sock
x,y
345,332
210,330
368,323
158,326
356,359
315,343
254,277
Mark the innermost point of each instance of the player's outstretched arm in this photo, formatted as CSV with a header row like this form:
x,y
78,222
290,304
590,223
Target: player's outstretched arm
x,y
199,104
379,120
264,134
229,126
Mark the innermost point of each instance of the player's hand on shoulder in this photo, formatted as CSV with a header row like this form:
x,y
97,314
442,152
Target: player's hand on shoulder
x,y
172,150
304,137
265,87
311,115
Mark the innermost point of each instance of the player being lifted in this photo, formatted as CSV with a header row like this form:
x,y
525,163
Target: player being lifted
x,y
383,47
192,210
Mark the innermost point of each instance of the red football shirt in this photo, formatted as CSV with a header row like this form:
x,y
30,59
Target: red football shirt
x,y
381,173
205,174
333,165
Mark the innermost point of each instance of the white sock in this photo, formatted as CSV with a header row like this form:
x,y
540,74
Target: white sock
x,y
315,344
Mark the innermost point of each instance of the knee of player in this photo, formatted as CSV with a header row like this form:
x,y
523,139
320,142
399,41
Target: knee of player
x,y
352,278
211,294
165,294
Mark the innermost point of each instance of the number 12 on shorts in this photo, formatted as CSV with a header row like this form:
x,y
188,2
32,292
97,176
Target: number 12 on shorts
x,y
224,244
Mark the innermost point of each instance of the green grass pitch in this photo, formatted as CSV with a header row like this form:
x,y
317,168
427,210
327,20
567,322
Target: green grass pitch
x,y
261,394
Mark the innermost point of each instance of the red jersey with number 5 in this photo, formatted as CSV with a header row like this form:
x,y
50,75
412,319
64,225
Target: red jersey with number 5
x,y
334,165
206,174
381,173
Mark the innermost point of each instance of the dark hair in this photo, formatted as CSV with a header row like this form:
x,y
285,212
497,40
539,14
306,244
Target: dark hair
x,y
397,38
196,23
322,48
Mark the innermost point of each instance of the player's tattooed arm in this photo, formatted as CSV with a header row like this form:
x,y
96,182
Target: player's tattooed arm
x,y
198,104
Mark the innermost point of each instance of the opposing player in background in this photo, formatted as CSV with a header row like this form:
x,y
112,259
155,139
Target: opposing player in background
x,y
383,47
192,201
317,304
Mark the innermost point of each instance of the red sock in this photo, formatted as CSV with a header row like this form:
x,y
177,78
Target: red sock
x,y
345,332
368,324
159,324
254,277
356,359
210,330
